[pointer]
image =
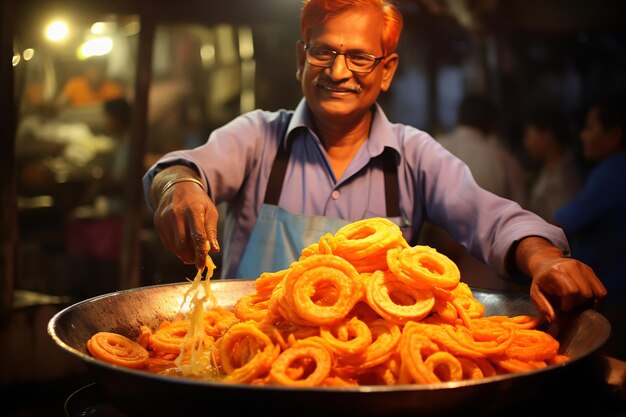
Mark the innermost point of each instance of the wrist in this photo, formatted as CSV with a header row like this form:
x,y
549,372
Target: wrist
x,y
532,253
170,177
173,182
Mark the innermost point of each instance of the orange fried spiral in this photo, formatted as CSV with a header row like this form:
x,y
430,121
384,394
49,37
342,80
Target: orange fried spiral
x,y
117,349
359,307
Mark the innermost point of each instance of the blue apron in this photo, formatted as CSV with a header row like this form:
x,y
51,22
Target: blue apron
x,y
279,236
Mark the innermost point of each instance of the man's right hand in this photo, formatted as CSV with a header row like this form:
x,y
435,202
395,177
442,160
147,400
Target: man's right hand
x,y
185,217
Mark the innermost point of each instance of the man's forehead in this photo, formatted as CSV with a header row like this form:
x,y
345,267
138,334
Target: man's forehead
x,y
365,26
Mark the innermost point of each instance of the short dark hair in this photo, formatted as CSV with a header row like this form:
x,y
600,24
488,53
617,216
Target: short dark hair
x,y
549,117
478,111
611,113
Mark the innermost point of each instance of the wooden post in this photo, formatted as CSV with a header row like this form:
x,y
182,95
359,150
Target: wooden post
x,y
131,245
8,208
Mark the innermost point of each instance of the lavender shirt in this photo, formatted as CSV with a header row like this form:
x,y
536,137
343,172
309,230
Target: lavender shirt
x,y
434,185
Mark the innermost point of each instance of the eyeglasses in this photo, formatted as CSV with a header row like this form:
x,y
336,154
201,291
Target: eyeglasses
x,y
355,61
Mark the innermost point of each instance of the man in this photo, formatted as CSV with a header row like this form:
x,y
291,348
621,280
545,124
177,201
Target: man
x,y
291,176
595,219
90,88
472,140
547,141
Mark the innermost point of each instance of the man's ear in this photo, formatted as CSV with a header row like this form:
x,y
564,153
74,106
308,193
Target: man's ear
x,y
390,64
301,59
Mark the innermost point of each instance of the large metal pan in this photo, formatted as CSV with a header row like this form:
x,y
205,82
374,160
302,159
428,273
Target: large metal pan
x,y
142,393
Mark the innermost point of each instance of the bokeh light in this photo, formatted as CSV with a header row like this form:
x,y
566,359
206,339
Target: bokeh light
x,y
57,31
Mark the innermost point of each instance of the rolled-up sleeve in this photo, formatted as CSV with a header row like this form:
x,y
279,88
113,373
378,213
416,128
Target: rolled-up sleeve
x,y
222,162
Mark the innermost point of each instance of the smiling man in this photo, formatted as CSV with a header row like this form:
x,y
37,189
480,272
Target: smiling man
x,y
290,176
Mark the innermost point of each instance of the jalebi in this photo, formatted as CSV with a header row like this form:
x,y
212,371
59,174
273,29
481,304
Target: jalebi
x,y
117,349
359,307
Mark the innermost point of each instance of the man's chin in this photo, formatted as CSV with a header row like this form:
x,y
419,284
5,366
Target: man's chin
x,y
336,107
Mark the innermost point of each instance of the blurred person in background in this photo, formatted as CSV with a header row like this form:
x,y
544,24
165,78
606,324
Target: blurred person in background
x,y
94,229
595,219
118,113
547,142
475,142
92,87
110,185
494,168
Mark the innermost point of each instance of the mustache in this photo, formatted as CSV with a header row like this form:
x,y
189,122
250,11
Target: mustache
x,y
329,85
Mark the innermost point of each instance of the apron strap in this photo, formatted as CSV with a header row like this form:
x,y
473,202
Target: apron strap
x,y
390,170
277,175
392,190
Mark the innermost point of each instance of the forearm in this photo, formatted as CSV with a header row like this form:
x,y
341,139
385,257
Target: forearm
x,y
168,176
531,254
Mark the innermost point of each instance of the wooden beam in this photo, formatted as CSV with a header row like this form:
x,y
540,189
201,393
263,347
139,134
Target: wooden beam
x,y
131,244
8,208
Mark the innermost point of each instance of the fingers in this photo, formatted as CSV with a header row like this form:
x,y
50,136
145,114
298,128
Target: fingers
x,y
588,289
202,223
573,282
210,225
212,235
598,289
569,285
187,225
201,249
580,280
542,303
172,234
184,238
556,282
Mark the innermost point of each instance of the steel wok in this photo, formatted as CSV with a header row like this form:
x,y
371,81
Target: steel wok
x,y
140,393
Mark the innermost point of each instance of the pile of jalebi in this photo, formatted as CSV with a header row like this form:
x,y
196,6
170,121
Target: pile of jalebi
x,y
360,307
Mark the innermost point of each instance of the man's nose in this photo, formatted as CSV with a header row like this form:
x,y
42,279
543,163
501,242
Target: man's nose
x,y
339,69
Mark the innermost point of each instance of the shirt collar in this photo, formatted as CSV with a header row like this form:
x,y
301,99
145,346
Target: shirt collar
x,y
381,133
301,118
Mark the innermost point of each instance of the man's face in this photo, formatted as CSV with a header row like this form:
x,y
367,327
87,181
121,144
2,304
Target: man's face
x,y
598,142
95,74
337,94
